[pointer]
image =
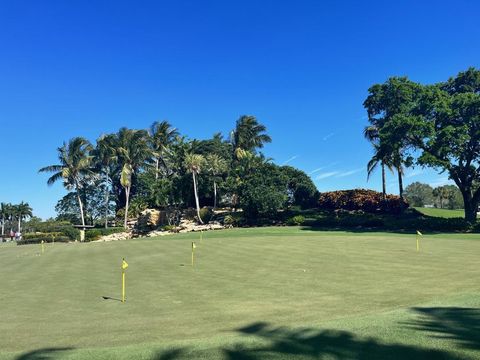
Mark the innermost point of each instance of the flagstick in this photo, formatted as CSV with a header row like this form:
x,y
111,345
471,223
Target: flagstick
x,y
123,286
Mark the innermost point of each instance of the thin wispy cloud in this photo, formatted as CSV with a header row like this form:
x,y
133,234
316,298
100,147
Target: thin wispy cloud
x,y
290,159
441,181
350,172
322,168
326,175
414,173
325,138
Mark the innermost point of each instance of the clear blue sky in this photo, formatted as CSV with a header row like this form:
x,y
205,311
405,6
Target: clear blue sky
x,y
70,68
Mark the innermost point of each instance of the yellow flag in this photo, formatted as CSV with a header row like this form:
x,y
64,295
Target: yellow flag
x,y
124,264
419,233
193,245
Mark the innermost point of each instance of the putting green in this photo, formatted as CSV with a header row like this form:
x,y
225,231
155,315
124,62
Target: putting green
x,y
261,293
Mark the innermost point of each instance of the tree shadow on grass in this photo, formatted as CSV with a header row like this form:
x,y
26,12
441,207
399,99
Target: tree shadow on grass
x,y
454,323
43,354
305,343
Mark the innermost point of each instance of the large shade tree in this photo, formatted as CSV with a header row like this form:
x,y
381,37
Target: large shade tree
x,y
74,169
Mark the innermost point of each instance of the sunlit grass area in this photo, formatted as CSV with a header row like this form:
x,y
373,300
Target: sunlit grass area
x,y
264,293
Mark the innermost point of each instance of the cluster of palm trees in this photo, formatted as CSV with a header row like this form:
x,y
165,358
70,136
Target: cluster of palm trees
x,y
117,161
12,215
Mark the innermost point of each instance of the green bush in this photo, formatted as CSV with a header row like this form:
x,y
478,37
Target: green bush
x,y
206,214
296,220
95,234
46,239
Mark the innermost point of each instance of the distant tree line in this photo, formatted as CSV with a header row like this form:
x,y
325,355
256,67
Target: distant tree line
x,y
134,169
434,126
12,215
444,197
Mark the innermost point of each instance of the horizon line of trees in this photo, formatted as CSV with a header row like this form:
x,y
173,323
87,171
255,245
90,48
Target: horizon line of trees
x,y
420,194
434,125
132,169
12,215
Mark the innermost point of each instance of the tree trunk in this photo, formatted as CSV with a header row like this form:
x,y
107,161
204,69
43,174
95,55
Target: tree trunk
x,y
127,193
3,225
196,197
470,206
400,182
384,182
81,208
157,166
214,194
19,222
107,199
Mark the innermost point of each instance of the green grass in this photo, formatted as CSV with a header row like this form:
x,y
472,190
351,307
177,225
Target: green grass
x,y
442,213
266,293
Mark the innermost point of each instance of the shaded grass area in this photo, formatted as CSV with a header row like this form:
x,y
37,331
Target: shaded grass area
x,y
267,293
442,213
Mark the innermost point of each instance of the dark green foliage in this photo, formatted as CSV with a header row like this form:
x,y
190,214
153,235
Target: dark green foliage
x,y
419,194
361,199
206,214
263,193
296,220
46,238
301,189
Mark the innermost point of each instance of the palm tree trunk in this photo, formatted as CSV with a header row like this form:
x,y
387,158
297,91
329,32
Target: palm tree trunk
x,y
127,193
107,200
19,222
157,166
80,204
214,194
384,182
3,224
196,197
400,182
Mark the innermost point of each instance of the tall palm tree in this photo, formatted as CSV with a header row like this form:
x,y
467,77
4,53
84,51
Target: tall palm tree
x,y
194,164
216,167
23,211
249,134
162,135
371,133
104,157
74,168
133,153
4,213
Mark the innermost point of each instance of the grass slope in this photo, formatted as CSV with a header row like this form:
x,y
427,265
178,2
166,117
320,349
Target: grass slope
x,y
276,293
442,213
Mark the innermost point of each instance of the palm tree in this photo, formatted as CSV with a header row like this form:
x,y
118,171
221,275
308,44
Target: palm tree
x,y
4,213
74,168
371,133
104,157
162,135
194,164
23,211
133,153
216,166
249,134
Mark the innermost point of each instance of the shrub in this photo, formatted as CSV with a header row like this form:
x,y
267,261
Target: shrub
x,y
95,234
360,199
206,214
45,238
296,220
